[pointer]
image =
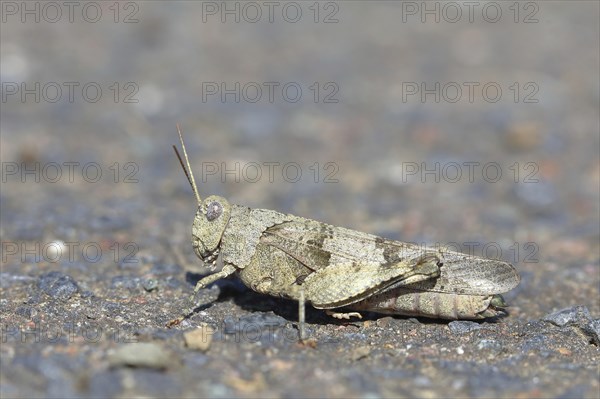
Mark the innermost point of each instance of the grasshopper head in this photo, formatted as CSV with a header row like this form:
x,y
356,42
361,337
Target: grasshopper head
x,y
209,225
211,218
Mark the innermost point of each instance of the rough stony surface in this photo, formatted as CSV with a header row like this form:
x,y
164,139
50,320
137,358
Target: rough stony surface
x,y
97,259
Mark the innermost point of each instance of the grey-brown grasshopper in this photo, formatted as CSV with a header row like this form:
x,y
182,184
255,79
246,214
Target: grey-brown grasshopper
x,y
332,267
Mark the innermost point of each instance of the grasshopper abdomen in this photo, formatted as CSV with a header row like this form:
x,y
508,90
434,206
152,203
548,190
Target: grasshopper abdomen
x,y
451,306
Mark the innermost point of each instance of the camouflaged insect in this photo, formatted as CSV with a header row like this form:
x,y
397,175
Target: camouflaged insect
x,y
331,267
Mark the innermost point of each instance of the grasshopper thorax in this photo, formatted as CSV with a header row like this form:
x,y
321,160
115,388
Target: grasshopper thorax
x,y
209,225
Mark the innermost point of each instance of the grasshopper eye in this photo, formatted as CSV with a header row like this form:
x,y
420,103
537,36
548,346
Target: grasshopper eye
x,y
213,211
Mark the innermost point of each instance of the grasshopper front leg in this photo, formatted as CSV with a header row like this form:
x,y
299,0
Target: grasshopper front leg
x,y
227,270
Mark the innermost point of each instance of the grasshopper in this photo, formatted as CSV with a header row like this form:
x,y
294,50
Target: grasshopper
x,y
333,267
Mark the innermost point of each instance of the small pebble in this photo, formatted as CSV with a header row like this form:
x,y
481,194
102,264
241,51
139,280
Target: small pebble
x,y
463,326
58,285
150,284
130,282
524,136
564,351
143,354
577,315
200,338
489,344
592,330
384,321
360,352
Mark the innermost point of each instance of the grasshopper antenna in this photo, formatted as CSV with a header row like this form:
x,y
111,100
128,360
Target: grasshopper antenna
x,y
188,171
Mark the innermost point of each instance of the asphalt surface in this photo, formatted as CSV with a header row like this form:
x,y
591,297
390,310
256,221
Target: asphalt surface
x,y
385,138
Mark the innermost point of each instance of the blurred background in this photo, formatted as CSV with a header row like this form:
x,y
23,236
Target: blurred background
x,y
475,125
468,127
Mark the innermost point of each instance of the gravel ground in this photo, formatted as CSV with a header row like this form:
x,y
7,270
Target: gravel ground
x,y
97,258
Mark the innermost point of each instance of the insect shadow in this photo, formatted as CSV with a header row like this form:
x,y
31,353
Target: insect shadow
x,y
245,298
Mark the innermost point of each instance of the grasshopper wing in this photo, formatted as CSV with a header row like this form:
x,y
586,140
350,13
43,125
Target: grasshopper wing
x,y
342,284
470,275
348,266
